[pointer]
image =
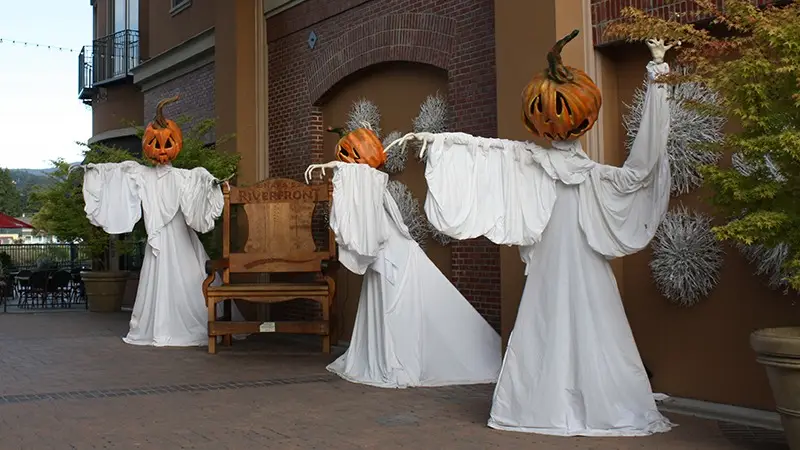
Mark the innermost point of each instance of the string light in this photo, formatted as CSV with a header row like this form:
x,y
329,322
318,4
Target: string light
x,y
33,44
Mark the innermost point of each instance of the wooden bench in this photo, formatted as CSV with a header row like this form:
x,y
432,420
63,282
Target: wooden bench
x,y
279,215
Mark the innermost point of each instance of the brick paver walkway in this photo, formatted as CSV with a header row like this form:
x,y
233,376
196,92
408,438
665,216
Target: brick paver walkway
x,y
67,381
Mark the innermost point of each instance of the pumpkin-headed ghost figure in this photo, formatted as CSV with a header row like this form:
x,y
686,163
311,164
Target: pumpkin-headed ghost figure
x,y
163,138
561,103
360,146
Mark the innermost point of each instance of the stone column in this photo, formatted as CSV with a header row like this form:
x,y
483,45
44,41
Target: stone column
x,y
241,84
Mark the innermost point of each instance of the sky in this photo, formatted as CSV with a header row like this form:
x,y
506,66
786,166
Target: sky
x,y
41,116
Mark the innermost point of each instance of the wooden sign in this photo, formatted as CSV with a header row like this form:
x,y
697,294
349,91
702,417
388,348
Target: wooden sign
x,y
279,216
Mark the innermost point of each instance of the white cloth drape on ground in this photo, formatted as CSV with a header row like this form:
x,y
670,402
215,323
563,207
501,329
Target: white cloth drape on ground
x,y
413,327
571,366
170,309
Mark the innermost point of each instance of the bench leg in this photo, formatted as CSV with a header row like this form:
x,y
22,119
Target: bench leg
x,y
227,309
326,316
212,317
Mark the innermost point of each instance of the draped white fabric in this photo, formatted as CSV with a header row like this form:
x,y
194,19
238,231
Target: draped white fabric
x,y
571,366
413,328
170,309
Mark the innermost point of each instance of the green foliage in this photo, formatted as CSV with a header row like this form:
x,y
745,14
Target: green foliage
x,y
61,211
9,196
5,262
755,67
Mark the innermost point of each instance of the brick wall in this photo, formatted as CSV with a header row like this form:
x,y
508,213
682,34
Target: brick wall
x,y
455,35
196,90
605,12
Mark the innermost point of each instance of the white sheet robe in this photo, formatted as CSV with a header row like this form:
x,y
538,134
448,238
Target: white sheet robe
x,y
170,309
571,366
413,327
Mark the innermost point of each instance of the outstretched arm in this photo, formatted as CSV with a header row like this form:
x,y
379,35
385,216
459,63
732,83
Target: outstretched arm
x,y
621,207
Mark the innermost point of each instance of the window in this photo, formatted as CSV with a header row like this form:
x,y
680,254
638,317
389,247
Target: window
x,y
124,15
179,5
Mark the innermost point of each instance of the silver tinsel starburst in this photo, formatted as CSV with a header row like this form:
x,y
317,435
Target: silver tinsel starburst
x,y
689,129
768,260
397,155
410,211
687,257
769,263
747,168
432,118
363,112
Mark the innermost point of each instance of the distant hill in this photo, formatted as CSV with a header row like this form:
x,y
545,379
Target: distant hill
x,y
26,181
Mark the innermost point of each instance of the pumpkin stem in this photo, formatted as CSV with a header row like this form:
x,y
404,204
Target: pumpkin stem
x,y
556,70
339,130
160,111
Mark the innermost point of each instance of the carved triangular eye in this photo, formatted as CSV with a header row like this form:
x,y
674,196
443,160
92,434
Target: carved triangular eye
x,y
155,143
168,144
562,104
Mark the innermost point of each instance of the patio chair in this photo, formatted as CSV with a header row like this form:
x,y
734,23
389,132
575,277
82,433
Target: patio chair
x,y
60,289
77,288
38,287
22,285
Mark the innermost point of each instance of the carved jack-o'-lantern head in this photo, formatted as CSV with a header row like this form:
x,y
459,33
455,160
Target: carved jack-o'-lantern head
x,y
561,103
162,139
360,146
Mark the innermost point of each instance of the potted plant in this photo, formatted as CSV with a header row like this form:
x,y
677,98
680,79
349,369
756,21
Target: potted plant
x,y
754,64
62,213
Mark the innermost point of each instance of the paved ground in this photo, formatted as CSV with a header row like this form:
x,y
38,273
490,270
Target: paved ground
x,y
68,382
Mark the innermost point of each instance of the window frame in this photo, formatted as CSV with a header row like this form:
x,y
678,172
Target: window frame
x,y
177,6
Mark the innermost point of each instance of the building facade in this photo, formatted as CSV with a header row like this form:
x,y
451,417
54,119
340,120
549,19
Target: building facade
x,y
275,73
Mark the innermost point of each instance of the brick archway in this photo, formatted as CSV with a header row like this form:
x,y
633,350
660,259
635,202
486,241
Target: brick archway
x,y
413,37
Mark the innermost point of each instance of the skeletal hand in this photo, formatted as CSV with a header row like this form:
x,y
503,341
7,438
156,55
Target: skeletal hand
x,y
658,49
401,142
74,167
310,170
223,181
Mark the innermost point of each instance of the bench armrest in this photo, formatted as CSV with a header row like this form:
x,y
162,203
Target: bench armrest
x,y
214,265
328,265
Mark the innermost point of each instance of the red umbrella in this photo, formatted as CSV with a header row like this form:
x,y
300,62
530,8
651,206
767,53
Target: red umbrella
x,y
7,221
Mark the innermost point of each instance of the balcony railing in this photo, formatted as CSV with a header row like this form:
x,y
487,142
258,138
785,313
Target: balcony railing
x,y
108,59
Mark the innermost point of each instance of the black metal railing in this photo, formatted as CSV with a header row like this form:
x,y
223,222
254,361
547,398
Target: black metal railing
x,y
85,80
108,59
55,256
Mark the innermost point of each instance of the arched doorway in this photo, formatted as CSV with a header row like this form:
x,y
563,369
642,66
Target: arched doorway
x,y
398,89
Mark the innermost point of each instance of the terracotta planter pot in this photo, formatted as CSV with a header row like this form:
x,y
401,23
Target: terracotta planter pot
x,y
105,290
778,349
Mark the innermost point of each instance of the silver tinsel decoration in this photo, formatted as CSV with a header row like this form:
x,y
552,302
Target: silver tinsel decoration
x,y
687,257
432,118
364,112
769,263
689,130
397,156
439,237
410,211
746,168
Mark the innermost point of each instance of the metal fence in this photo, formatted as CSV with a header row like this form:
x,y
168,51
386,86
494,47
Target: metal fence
x,y
31,256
